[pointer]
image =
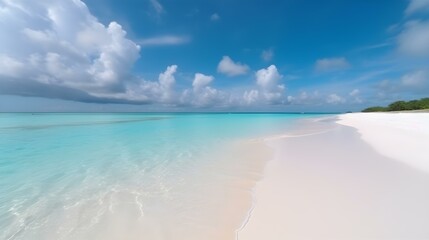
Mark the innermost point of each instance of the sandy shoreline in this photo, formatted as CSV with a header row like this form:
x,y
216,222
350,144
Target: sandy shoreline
x,y
400,136
343,183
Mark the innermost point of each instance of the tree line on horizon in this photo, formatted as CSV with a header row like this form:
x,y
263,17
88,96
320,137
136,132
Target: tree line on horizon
x,y
401,106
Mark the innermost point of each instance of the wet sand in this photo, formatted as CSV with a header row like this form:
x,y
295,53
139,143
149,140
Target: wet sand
x,y
214,209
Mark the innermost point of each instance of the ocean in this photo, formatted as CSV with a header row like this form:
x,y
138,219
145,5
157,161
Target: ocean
x,y
135,175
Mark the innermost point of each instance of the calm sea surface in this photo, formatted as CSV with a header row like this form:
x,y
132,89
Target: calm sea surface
x,y
60,174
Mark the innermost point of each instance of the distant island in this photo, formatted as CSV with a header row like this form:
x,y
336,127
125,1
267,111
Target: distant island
x,y
401,106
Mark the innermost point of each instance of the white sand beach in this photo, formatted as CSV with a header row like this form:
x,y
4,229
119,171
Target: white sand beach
x,y
400,136
365,177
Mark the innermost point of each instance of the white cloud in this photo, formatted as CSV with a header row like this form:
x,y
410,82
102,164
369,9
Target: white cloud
x,y
201,81
414,39
268,81
250,96
335,99
209,96
161,91
331,64
214,17
164,40
203,95
57,49
267,55
167,82
417,6
59,43
230,68
306,98
268,78
65,52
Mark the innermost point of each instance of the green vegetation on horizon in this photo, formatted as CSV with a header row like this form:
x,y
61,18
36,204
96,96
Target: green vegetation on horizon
x,y
401,106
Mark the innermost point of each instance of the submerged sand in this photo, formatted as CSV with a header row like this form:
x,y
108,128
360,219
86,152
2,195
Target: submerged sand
x,y
326,182
214,209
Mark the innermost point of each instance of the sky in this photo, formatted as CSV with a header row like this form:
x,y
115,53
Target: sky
x,y
202,55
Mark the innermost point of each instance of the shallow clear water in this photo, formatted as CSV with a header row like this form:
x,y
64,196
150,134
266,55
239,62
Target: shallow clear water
x,y
60,174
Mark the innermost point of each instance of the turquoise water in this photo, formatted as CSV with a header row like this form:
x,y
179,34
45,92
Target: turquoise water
x,y
61,173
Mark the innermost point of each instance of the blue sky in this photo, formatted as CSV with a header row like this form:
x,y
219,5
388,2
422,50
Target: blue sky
x,y
194,55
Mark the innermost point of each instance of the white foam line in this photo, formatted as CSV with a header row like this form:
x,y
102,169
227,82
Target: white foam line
x,y
249,214
252,191
295,136
276,137
254,201
140,206
21,229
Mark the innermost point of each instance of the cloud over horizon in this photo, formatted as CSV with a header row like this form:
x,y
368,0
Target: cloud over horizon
x,y
61,50
230,68
60,44
269,89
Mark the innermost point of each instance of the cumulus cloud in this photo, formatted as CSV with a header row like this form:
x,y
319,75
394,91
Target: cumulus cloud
x,y
214,17
59,43
57,49
203,95
414,39
267,78
250,96
230,68
267,55
417,6
306,98
209,97
335,99
331,64
269,91
201,81
164,40
161,91
165,85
